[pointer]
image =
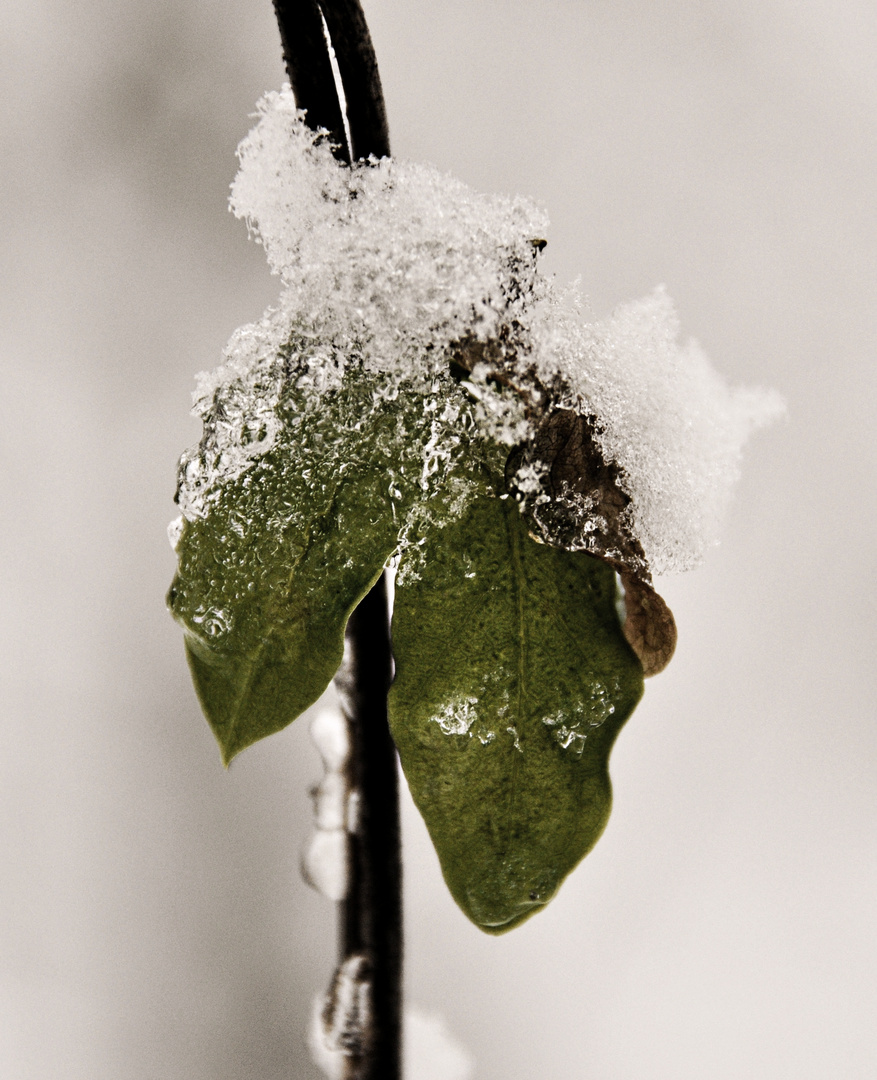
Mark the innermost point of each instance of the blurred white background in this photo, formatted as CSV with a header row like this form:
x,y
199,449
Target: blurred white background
x,y
154,923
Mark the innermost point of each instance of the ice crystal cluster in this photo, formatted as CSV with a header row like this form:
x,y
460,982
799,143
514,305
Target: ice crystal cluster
x,y
396,274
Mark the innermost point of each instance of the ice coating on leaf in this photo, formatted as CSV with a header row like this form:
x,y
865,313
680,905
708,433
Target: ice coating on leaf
x,y
237,404
348,451
572,727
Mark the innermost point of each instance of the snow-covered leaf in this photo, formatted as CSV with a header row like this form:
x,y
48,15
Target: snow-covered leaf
x,y
575,498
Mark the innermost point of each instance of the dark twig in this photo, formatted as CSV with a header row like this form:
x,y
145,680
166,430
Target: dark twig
x,y
366,113
306,55
372,911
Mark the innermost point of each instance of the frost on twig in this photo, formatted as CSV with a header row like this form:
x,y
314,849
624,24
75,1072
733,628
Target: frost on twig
x,y
340,1021
430,1049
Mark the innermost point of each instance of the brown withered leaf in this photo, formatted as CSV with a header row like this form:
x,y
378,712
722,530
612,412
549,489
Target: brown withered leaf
x,y
500,356
575,498
649,625
582,503
581,507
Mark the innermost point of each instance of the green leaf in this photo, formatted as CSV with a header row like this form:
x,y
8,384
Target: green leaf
x,y
280,555
513,679
268,578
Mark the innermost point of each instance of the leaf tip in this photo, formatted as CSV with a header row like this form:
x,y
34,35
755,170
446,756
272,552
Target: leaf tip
x,y
228,755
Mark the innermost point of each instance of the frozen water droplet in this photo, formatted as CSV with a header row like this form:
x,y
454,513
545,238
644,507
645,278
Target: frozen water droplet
x,y
324,863
212,622
330,800
353,808
340,1019
328,732
516,741
456,717
571,739
332,1063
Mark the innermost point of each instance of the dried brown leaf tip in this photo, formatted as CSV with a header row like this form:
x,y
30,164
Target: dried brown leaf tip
x,y
649,625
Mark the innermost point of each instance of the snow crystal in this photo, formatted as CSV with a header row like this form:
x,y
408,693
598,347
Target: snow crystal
x,y
430,295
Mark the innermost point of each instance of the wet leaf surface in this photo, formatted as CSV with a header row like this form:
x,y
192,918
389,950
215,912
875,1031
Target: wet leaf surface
x,y
268,578
513,680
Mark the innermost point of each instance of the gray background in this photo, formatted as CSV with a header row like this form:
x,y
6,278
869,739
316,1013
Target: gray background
x,y
154,924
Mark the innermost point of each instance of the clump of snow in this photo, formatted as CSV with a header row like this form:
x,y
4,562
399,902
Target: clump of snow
x,y
663,413
398,274
397,252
